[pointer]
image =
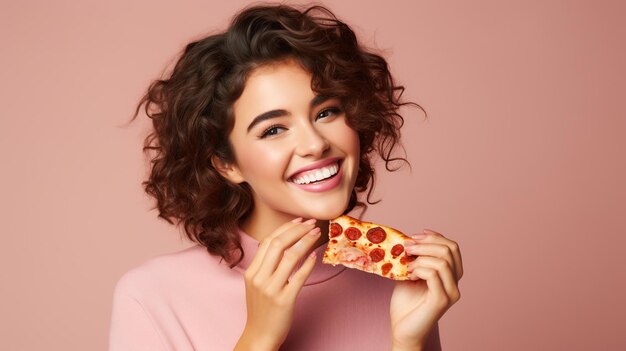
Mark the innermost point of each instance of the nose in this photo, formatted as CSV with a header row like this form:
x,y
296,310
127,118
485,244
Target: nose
x,y
311,143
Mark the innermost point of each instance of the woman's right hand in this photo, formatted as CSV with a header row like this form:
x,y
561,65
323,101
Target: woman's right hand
x,y
270,293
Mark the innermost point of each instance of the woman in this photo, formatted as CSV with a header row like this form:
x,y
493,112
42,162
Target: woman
x,y
242,126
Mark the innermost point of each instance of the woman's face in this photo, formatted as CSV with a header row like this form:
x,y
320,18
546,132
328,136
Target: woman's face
x,y
292,146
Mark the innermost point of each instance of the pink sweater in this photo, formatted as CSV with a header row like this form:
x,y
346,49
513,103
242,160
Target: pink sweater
x,y
190,300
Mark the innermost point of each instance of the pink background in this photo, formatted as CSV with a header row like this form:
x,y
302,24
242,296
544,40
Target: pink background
x,y
521,161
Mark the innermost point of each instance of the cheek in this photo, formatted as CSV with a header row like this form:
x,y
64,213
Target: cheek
x,y
351,146
354,142
346,138
260,161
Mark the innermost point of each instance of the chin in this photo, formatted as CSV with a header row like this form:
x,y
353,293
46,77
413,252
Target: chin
x,y
328,212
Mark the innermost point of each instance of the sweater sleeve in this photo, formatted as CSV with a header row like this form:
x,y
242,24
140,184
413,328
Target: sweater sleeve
x,y
132,329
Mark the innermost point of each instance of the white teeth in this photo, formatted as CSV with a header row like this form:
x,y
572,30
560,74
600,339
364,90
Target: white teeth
x,y
317,175
326,172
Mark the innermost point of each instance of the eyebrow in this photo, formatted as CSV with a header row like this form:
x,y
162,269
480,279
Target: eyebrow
x,y
317,100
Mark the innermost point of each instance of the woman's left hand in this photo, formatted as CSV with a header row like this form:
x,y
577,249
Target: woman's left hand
x,y
417,304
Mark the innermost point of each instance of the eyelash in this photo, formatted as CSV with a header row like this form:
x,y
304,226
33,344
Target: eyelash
x,y
335,110
268,131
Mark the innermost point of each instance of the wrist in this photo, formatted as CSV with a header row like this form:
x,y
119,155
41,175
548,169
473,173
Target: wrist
x,y
417,348
400,347
248,342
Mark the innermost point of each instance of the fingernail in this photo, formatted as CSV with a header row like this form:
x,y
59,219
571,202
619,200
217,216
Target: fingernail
x,y
315,231
297,220
312,255
310,221
418,236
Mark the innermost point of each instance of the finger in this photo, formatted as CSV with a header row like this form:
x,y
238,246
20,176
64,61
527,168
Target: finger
x,y
433,250
443,270
437,238
277,246
260,254
299,278
454,248
290,259
434,284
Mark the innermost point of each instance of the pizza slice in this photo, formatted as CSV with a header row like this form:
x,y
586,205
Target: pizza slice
x,y
368,247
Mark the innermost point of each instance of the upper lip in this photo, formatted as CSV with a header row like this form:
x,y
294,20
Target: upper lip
x,y
315,165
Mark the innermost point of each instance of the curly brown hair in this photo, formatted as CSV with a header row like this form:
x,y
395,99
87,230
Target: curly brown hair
x,y
191,112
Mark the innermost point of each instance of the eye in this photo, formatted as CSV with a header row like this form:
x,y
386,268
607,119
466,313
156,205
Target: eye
x,y
272,130
329,112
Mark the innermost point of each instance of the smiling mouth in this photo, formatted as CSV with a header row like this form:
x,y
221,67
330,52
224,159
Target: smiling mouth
x,y
317,175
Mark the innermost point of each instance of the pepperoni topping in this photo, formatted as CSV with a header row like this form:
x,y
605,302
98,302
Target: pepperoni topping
x,y
407,259
377,254
376,235
387,267
397,250
335,230
334,241
353,233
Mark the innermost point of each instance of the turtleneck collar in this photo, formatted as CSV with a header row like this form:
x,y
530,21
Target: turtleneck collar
x,y
321,272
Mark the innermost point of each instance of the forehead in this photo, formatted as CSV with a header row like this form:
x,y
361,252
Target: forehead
x,y
282,85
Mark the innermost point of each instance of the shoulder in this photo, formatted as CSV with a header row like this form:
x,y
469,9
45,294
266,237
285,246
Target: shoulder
x,y
169,272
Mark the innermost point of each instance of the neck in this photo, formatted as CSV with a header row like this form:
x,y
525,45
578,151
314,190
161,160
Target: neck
x,y
259,226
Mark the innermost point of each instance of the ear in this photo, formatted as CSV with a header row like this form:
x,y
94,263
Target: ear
x,y
228,170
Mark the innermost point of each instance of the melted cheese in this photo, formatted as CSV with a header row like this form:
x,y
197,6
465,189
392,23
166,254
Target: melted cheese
x,y
355,253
